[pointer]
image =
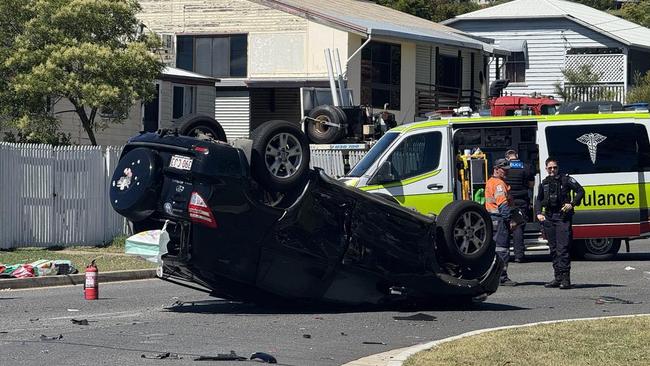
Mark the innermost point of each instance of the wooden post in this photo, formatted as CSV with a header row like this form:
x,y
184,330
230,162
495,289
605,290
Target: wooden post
x,y
460,78
471,81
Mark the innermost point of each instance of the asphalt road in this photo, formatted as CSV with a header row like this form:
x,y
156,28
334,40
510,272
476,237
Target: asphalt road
x,y
139,317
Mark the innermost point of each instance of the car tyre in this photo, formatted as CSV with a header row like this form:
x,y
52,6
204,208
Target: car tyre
x,y
601,249
204,127
134,185
280,156
466,229
320,133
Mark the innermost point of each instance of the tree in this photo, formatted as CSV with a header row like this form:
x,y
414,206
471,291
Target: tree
x,y
91,53
640,92
598,4
581,83
434,10
637,12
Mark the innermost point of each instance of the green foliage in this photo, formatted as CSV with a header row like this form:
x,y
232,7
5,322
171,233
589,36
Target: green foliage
x,y
37,130
580,84
598,4
640,92
637,12
434,10
88,52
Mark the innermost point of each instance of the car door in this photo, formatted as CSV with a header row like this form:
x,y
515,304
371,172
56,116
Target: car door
x,y
609,158
419,170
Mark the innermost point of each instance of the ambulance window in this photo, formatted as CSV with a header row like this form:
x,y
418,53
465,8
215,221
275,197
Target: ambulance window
x,y
417,154
591,149
548,110
644,147
375,152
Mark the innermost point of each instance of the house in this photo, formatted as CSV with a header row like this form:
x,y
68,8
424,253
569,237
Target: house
x,y
179,92
264,51
548,36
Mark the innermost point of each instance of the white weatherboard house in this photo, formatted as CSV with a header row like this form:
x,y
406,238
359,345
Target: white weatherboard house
x,y
547,36
264,51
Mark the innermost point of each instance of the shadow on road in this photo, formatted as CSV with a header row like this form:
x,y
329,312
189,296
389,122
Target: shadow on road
x,y
575,285
243,308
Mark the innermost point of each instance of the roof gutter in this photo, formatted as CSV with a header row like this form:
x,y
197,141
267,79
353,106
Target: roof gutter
x,y
425,39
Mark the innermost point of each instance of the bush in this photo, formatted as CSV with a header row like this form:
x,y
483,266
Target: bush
x,y
641,90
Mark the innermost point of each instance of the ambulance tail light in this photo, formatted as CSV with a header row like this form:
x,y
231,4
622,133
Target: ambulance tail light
x,y
199,211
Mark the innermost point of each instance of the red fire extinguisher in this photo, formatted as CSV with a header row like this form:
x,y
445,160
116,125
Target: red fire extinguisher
x,y
91,286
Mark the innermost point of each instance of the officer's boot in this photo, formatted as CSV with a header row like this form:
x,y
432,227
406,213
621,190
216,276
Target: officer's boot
x,y
555,283
565,282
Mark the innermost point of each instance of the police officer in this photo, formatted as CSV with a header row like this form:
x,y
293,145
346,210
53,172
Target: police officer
x,y
554,209
521,180
498,204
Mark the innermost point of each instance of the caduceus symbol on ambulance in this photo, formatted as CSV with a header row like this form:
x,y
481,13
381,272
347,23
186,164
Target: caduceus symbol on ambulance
x,y
592,140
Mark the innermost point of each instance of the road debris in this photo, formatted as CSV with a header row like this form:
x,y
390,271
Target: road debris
x,y
48,338
306,336
79,321
232,356
613,300
629,268
264,357
162,356
374,342
344,334
419,317
73,310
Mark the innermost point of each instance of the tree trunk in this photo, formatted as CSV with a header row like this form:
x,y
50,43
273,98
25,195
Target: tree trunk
x,y
86,122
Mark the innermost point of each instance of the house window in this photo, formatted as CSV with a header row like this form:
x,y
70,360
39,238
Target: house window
x,y
381,65
184,101
217,56
516,67
448,79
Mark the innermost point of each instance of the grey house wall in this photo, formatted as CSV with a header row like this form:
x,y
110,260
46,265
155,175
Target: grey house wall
x,y
548,41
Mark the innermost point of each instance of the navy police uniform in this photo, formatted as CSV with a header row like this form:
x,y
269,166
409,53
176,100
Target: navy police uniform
x,y
554,192
519,178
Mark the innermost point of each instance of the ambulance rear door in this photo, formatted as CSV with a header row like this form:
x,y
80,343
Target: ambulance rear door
x,y
608,156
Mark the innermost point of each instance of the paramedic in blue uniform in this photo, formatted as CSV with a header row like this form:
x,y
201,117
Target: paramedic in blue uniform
x,y
521,180
554,208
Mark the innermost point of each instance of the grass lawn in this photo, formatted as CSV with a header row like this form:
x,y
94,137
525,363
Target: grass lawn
x,y
108,258
618,341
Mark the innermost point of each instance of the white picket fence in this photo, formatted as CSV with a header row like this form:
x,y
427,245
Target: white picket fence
x,y
56,195
336,163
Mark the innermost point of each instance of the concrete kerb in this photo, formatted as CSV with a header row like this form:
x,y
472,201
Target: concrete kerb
x,y
398,356
75,279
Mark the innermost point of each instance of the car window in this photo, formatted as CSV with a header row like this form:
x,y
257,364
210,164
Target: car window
x,y
606,148
362,166
416,155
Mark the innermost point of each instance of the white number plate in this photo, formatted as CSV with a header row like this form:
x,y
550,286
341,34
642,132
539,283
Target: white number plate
x,y
180,162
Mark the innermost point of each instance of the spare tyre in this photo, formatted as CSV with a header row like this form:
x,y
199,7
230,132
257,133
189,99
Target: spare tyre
x,y
466,229
200,126
134,185
322,124
280,155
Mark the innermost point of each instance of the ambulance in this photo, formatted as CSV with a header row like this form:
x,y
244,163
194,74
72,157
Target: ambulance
x,y
426,165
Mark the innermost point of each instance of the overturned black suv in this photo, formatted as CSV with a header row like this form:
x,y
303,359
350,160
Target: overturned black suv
x,y
251,221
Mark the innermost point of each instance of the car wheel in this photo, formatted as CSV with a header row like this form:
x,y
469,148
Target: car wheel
x,y
202,127
600,249
134,185
318,129
280,156
466,229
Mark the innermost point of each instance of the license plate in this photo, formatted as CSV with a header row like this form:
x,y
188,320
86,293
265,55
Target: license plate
x,y
180,162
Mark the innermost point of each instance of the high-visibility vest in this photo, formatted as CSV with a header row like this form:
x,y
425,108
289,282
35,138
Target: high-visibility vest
x,y
496,194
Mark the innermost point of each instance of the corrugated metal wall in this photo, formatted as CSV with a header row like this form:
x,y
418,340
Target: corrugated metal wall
x,y
232,111
56,195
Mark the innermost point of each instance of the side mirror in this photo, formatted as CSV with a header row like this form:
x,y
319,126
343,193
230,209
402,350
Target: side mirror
x,y
384,173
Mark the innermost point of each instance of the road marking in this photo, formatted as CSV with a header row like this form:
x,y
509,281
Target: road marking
x,y
119,314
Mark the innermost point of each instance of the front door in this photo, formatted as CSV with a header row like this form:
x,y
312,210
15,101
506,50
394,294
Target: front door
x,y
609,158
420,168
